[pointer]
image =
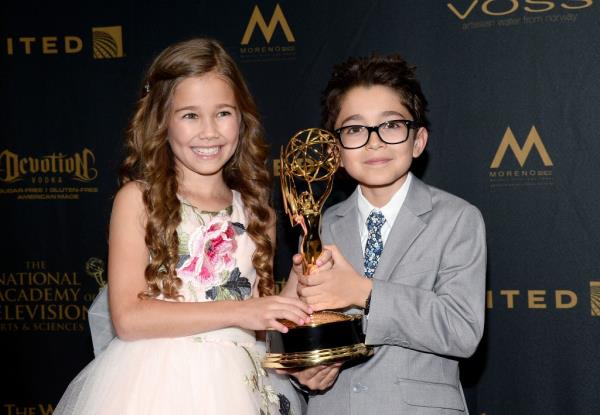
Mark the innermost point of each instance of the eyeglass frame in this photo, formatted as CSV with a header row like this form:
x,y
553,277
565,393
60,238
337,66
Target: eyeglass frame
x,y
410,124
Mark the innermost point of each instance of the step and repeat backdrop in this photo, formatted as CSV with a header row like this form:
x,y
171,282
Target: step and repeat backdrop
x,y
514,91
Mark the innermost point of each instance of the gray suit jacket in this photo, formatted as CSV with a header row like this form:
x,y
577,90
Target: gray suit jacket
x,y
427,306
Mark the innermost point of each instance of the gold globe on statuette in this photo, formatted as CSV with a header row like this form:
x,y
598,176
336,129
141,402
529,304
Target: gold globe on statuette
x,y
307,166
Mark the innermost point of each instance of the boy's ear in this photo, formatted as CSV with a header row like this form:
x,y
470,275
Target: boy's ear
x,y
420,142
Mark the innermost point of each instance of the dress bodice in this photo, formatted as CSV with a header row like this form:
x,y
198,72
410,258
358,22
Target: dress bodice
x,y
215,253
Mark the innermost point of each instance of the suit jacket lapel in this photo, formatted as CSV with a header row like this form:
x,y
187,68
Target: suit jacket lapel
x,y
346,234
406,228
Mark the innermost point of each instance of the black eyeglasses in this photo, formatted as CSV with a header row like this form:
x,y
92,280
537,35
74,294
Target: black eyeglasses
x,y
390,132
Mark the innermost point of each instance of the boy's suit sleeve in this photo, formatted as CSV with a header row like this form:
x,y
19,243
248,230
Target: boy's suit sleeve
x,y
447,320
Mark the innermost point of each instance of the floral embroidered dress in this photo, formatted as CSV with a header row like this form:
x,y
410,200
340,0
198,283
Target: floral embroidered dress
x,y
216,372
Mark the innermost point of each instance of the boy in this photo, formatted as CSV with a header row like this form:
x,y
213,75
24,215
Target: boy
x,y
412,257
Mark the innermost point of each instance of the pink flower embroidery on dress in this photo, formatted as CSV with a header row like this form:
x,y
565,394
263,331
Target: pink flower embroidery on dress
x,y
212,249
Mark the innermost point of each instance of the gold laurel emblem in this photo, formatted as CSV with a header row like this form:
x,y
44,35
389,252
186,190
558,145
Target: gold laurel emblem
x,y
94,267
108,42
595,297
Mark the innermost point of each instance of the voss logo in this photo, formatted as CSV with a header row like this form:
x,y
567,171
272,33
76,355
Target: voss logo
x,y
465,9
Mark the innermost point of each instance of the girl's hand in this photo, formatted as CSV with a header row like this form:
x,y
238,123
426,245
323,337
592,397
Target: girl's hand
x,y
262,313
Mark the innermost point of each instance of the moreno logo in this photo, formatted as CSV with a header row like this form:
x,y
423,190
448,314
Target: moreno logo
x,y
509,141
277,19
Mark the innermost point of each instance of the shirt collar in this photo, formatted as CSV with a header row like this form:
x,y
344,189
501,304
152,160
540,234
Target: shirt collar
x,y
390,210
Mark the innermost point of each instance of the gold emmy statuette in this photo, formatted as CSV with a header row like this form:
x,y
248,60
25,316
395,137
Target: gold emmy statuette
x,y
308,162
94,267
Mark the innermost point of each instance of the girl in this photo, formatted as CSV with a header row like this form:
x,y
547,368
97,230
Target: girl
x,y
190,252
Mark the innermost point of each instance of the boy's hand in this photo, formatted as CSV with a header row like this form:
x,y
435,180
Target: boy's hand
x,y
335,286
324,262
316,378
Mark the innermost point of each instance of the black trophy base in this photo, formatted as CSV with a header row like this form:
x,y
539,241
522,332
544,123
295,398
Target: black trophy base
x,y
330,337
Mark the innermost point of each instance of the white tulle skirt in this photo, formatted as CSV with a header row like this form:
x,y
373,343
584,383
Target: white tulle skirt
x,y
213,373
